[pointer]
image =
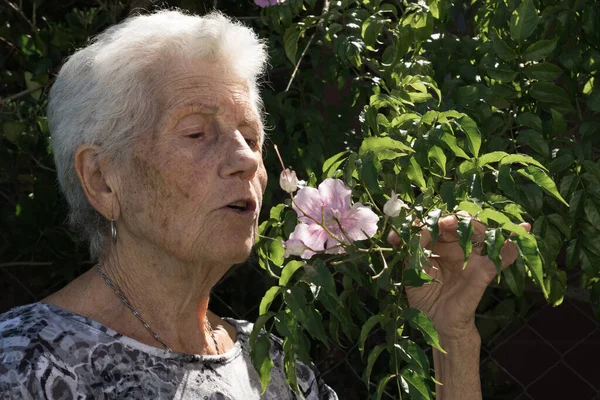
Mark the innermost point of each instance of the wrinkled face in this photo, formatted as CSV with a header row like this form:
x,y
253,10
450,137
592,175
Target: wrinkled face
x,y
194,188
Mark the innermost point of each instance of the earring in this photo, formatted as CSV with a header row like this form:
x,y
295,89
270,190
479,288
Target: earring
x,y
113,230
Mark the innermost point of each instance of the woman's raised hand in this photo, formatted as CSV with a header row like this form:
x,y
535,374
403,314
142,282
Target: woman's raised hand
x,y
451,305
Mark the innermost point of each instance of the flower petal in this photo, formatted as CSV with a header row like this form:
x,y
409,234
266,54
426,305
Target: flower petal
x,y
335,247
358,221
294,247
313,237
335,194
308,200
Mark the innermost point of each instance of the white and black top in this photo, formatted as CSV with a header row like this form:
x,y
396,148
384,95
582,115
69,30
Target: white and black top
x,y
47,352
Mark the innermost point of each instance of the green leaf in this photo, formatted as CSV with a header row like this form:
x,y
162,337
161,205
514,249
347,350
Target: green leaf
x,y
591,212
276,252
414,277
332,163
558,285
415,174
366,329
307,315
493,157
420,321
469,207
530,120
494,241
494,215
529,252
13,130
561,163
547,92
506,183
414,356
559,125
534,140
261,360
437,155
467,94
290,42
384,148
432,220
540,50
417,388
540,178
451,142
371,29
503,50
523,21
289,363
543,71
465,233
521,159
473,135
268,298
572,253
381,386
515,277
373,355
275,212
323,278
502,75
288,271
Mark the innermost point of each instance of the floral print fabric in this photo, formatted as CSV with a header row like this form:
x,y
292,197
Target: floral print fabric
x,y
50,353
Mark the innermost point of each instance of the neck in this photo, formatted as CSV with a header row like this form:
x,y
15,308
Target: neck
x,y
170,295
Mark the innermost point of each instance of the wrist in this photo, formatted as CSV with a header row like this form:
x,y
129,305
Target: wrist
x,y
458,368
458,332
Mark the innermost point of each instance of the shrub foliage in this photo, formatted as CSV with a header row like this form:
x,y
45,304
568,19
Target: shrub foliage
x,y
489,108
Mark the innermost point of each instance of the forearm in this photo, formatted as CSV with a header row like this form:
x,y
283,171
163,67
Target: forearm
x,y
458,370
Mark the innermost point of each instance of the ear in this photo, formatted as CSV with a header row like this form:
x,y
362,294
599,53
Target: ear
x,y
95,181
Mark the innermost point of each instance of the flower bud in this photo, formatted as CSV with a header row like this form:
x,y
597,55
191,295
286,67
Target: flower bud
x,y
393,206
288,180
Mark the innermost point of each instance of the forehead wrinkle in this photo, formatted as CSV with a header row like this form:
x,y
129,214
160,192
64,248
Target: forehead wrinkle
x,y
202,94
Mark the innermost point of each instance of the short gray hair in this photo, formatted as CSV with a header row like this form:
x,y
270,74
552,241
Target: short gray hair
x,y
103,93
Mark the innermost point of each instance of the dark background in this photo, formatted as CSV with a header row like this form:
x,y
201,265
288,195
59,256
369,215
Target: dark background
x,y
530,349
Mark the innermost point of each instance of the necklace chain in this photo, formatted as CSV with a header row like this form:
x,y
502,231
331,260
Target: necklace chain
x,y
139,317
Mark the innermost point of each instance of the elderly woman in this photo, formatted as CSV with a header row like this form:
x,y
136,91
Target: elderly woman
x,y
157,135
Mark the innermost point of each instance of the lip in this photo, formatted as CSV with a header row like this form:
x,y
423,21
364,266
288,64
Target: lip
x,y
250,206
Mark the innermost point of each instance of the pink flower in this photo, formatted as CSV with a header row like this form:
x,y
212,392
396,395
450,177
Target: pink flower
x,y
329,205
267,3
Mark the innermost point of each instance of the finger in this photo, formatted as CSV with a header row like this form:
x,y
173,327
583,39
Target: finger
x,y
449,229
510,252
426,238
394,239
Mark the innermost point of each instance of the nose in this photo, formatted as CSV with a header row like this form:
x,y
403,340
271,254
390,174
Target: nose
x,y
240,159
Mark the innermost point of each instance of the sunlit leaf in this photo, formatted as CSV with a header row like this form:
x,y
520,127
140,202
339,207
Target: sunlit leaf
x,y
540,178
418,320
523,21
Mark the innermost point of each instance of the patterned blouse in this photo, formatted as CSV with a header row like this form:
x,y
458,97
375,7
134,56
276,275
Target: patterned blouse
x,y
47,352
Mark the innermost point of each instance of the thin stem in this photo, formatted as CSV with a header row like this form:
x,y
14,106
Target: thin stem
x,y
325,10
372,200
279,156
20,94
385,266
20,12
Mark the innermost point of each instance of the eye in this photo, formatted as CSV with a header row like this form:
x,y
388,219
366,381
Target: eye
x,y
196,135
253,144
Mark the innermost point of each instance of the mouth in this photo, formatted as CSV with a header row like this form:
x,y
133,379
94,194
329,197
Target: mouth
x,y
242,206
